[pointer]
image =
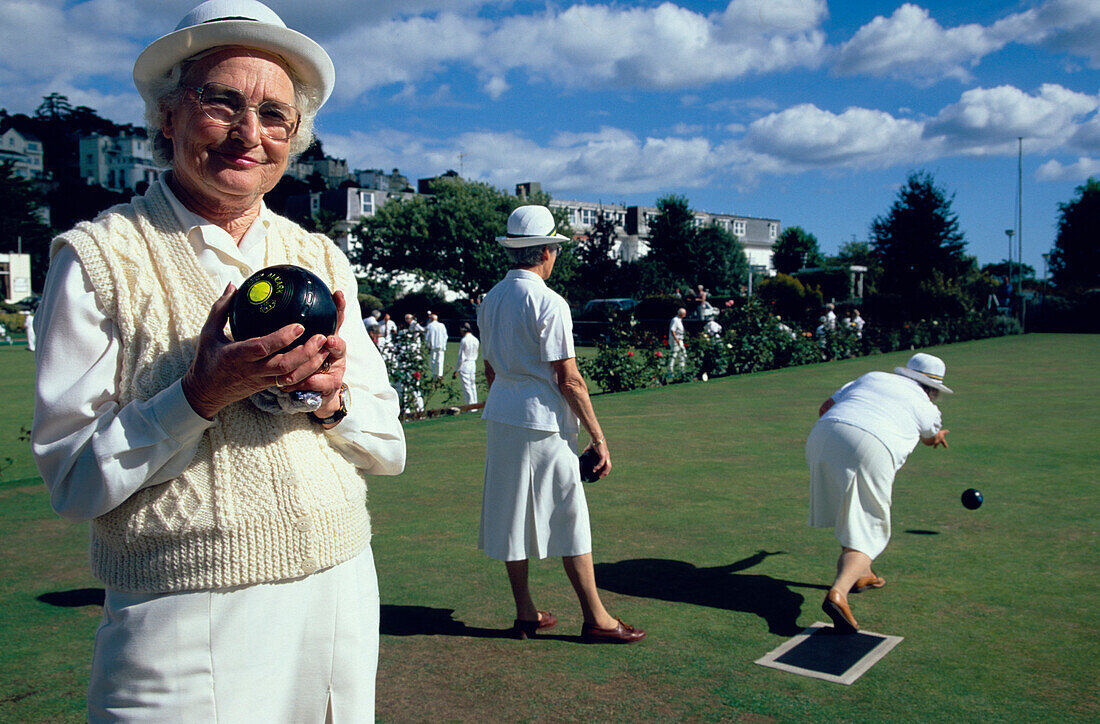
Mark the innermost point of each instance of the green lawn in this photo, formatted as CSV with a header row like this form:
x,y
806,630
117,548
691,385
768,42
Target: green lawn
x,y
700,538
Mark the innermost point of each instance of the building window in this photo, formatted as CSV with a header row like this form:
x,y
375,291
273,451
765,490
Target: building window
x,y
588,217
739,227
366,204
773,230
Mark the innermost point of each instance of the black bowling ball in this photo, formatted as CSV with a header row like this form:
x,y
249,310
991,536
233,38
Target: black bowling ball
x,y
280,295
971,499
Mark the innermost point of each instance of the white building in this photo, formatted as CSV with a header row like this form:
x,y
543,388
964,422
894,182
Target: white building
x,y
756,235
15,277
118,163
24,151
348,204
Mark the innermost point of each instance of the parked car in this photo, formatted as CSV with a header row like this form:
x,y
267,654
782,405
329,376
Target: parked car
x,y
602,310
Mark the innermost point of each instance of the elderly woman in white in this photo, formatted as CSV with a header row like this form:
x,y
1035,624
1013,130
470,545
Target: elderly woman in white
x,y
234,543
863,436
533,503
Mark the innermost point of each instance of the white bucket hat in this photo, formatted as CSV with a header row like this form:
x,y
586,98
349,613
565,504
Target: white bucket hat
x,y
530,226
244,23
926,369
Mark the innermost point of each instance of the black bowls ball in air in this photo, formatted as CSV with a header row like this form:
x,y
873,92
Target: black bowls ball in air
x,y
971,499
276,296
588,460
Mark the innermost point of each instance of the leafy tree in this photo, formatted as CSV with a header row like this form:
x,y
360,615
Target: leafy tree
x,y
918,236
597,271
1075,259
795,249
53,107
1005,268
718,259
671,236
446,237
20,223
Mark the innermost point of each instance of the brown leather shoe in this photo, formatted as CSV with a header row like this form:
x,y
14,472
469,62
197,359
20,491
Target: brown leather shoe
x,y
836,607
527,629
867,583
621,634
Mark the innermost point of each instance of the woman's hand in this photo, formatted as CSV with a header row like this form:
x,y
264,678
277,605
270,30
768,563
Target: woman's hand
x,y
327,375
937,440
603,459
224,371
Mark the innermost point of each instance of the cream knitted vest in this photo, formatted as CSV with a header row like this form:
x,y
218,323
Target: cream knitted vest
x,y
266,498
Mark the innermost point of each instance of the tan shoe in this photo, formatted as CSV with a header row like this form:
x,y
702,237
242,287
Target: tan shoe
x,y
868,582
836,606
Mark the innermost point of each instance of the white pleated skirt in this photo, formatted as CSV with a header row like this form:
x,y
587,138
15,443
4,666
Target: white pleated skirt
x,y
296,651
533,502
851,485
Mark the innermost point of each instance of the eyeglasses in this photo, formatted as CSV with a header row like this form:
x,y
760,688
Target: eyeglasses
x,y
225,104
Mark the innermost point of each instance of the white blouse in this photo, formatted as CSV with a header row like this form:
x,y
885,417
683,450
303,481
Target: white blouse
x,y
93,454
893,408
524,327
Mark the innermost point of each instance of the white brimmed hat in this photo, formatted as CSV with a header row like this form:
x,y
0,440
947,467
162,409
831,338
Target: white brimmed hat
x,y
243,23
926,369
530,226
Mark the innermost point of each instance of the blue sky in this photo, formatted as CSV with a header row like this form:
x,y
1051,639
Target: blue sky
x,y
808,111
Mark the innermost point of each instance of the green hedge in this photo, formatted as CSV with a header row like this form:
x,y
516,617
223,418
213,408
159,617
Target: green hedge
x,y
752,339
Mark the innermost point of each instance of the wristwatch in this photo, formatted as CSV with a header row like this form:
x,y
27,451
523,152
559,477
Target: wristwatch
x,y
340,414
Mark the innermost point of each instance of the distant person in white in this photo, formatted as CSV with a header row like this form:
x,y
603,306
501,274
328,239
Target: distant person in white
x,y
435,335
865,432
858,323
31,336
677,353
466,369
830,316
533,503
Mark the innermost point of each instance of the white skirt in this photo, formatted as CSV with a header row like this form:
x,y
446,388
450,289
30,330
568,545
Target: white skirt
x,y
533,503
851,484
296,651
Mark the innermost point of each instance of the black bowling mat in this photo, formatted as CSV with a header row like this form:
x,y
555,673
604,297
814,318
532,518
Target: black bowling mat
x,y
819,653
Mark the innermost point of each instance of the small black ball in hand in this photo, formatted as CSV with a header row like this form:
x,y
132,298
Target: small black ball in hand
x,y
588,460
276,296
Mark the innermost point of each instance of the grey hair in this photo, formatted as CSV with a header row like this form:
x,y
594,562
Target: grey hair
x,y
167,91
530,255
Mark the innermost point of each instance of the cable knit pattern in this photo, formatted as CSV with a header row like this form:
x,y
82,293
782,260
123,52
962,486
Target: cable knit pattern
x,y
266,498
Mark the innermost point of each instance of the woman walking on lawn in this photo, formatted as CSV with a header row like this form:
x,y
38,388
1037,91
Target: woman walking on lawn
x,y
533,502
864,433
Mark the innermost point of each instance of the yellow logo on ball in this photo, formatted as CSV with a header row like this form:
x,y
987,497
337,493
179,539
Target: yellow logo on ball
x,y
260,292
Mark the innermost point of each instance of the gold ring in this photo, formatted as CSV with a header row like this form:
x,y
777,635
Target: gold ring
x,y
325,366
279,384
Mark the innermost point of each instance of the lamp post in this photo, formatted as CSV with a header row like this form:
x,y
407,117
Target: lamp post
x,y
1008,272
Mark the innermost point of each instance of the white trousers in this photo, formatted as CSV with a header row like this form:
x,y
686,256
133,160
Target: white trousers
x,y
435,361
851,485
533,502
296,651
467,375
677,358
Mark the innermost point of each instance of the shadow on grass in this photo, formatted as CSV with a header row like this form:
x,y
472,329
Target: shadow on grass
x,y
918,531
74,598
427,621
717,586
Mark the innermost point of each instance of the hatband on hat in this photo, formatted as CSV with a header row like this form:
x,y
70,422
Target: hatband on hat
x,y
926,369
234,23
530,225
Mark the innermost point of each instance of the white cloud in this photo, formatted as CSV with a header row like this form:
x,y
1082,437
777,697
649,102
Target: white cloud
x,y
806,136
989,120
1064,26
1081,170
910,45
